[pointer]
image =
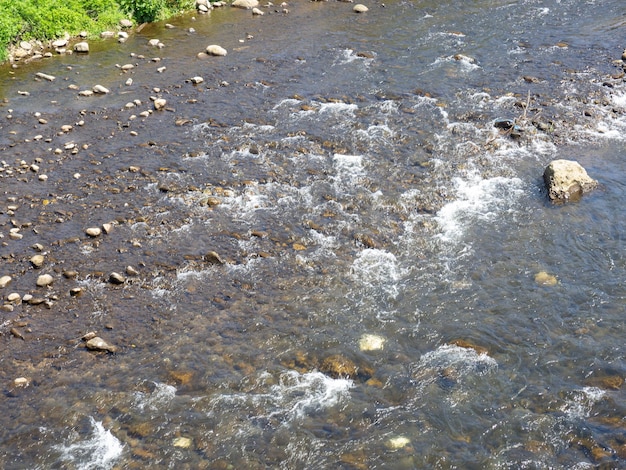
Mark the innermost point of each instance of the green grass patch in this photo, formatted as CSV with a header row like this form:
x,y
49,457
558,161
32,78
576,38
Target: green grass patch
x,y
50,19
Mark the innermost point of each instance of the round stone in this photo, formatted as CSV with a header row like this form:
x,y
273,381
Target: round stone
x,y
116,278
4,280
93,231
369,342
37,261
44,280
216,50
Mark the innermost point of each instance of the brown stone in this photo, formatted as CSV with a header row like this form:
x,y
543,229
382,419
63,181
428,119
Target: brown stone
x,y
469,345
339,366
182,377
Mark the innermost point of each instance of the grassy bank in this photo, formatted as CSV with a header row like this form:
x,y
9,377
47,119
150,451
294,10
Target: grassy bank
x,y
23,20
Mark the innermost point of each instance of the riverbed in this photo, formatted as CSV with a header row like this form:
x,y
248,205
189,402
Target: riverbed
x,y
326,253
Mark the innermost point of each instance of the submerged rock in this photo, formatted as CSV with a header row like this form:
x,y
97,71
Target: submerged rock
x,y
567,180
370,342
545,279
338,366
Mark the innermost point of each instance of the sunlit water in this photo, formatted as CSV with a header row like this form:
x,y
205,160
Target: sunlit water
x,y
346,173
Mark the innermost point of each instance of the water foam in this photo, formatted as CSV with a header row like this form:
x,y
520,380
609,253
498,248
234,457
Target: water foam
x,y
295,396
161,396
100,452
478,200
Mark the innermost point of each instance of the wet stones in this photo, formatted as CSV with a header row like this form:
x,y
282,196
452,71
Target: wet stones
x,y
567,181
360,8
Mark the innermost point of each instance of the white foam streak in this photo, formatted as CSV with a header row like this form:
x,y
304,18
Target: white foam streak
x,y
161,396
97,453
309,392
478,200
293,397
338,108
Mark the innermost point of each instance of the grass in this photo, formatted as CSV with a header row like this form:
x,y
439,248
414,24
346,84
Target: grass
x,y
49,19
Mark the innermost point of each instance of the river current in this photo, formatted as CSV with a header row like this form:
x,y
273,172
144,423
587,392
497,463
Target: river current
x,y
339,260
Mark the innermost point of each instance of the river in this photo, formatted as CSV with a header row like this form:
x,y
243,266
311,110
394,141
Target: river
x,y
337,260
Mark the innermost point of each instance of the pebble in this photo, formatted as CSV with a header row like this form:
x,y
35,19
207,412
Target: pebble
x,y
93,231
131,271
183,442
43,178
544,279
116,278
98,344
369,342
59,43
45,76
257,12
100,89
76,291
216,50
44,280
127,67
37,261
14,297
82,47
21,382
247,4
196,80
398,442
129,82
159,103
85,93
107,228
360,8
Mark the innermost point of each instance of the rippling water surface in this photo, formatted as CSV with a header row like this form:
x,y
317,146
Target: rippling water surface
x,y
337,251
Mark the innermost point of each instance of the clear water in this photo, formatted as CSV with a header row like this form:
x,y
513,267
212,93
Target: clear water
x,y
346,170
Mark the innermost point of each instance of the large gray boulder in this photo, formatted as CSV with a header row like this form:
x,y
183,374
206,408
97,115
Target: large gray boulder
x,y
567,180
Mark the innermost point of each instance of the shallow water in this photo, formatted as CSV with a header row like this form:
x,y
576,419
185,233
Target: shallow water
x,y
347,174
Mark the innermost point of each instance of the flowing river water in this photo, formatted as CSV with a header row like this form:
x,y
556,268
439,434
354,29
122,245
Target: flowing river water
x,y
338,261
